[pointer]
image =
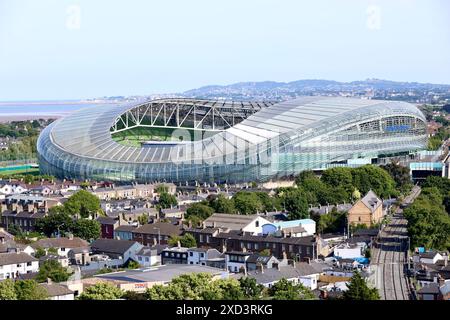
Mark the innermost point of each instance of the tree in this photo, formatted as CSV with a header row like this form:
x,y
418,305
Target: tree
x,y
143,219
221,204
187,240
401,176
132,295
82,203
247,202
52,269
185,287
101,291
161,188
370,177
200,210
295,203
7,290
265,253
196,286
268,203
359,290
87,229
250,288
29,290
131,264
428,222
39,253
167,200
57,221
16,231
339,177
286,290
334,221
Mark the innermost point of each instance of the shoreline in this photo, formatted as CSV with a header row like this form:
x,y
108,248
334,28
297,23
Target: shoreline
x,y
26,117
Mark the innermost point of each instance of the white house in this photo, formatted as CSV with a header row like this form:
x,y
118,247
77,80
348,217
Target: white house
x,y
148,256
295,228
117,249
236,261
9,189
62,245
203,256
251,224
350,250
12,264
300,273
430,257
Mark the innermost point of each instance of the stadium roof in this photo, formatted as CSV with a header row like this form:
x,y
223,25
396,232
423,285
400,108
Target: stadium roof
x,y
87,133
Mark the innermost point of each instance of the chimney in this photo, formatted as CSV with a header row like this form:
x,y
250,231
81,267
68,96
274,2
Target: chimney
x,y
445,260
154,241
178,244
244,249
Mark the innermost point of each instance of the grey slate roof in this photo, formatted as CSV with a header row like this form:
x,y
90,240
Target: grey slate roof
x,y
56,289
112,245
371,201
15,258
269,275
60,243
166,229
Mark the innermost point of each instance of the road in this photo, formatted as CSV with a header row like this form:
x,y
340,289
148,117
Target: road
x,y
389,256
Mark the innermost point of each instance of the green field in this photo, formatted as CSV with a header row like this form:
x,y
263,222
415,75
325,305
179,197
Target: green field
x,y
134,137
32,171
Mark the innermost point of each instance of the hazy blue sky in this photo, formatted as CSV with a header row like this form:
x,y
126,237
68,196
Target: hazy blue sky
x,y
60,49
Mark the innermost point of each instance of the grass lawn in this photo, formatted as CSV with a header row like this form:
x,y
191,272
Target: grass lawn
x,y
32,171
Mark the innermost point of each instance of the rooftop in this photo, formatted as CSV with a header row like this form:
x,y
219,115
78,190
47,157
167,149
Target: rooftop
x,y
163,273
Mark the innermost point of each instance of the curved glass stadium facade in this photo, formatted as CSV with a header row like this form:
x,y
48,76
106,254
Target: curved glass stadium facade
x,y
179,140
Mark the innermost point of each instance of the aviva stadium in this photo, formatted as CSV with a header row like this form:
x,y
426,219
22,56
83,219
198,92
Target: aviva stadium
x,y
185,140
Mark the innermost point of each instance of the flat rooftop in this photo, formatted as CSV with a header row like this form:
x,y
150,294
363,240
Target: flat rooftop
x,y
164,273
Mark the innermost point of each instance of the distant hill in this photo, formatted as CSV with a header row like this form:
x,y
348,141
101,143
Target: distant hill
x,y
272,89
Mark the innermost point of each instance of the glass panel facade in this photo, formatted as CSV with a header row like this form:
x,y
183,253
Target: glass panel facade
x,y
267,143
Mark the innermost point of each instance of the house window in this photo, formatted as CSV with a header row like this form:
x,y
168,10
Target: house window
x,y
140,258
249,245
256,246
202,255
191,254
63,249
19,265
359,219
257,223
28,264
190,262
147,259
166,254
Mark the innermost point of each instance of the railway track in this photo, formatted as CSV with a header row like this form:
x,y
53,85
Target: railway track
x,y
390,260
